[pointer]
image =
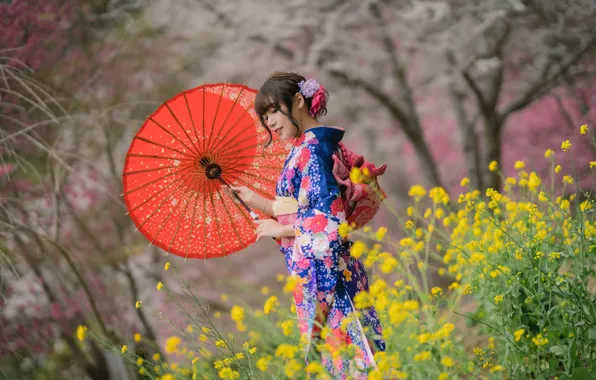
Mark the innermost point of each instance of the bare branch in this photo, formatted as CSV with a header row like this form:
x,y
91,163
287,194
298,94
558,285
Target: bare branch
x,y
543,83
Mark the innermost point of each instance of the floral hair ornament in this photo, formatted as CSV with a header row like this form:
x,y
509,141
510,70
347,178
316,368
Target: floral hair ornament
x,y
310,88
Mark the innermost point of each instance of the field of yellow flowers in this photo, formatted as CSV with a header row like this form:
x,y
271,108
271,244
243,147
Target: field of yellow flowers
x,y
519,301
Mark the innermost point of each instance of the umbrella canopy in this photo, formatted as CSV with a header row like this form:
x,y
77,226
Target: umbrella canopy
x,y
177,163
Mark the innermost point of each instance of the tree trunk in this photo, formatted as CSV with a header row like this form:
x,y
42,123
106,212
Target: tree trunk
x,y
427,163
492,141
469,141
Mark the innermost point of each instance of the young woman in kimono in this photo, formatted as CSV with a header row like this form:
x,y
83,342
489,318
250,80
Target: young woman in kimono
x,y
308,211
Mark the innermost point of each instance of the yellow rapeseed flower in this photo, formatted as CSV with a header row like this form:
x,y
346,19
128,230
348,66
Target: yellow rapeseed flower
x,y
447,361
518,334
167,266
314,367
344,230
292,368
271,305
565,145
228,373
137,337
287,327
124,349
519,165
411,305
159,285
138,304
539,340
548,153
464,182
417,192
381,233
422,356
493,166
362,300
237,313
583,129
357,249
172,344
263,363
81,332
286,351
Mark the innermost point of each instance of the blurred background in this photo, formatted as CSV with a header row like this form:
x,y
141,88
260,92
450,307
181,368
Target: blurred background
x,y
435,89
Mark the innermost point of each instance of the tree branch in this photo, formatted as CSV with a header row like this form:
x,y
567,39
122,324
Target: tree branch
x,y
542,84
396,110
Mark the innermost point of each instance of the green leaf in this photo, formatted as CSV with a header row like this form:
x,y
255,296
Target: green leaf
x,y
558,350
581,373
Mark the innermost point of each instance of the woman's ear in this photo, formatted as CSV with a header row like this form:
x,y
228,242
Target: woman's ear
x,y
298,100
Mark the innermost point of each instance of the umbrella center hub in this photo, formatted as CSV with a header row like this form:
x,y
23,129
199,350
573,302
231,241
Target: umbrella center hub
x,y
212,170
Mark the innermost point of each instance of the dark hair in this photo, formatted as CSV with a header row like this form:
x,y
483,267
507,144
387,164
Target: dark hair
x,y
280,88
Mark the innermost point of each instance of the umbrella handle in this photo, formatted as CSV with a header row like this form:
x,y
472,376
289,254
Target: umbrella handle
x,y
248,209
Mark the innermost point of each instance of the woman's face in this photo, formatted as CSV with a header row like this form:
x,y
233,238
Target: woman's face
x,y
279,123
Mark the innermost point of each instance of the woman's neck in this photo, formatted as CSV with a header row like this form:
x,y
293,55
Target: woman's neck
x,y
309,124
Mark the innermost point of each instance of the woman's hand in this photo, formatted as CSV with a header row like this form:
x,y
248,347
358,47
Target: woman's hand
x,y
247,195
270,227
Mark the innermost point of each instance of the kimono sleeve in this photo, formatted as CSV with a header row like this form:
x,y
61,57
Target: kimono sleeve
x,y
320,207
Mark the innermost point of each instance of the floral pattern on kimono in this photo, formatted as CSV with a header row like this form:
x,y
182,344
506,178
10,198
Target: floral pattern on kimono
x,y
329,278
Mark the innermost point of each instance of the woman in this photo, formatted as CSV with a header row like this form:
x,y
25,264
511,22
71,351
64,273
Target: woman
x,y
309,210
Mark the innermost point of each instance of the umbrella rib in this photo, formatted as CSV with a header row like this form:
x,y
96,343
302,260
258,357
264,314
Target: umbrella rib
x,y
240,131
243,212
233,153
204,136
191,119
156,194
231,128
192,226
225,154
173,135
155,180
216,143
169,215
149,170
252,175
217,224
208,149
199,153
160,205
230,217
160,145
178,226
205,227
255,166
158,157
234,160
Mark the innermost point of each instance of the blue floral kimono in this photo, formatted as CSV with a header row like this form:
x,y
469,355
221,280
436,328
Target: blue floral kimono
x,y
329,278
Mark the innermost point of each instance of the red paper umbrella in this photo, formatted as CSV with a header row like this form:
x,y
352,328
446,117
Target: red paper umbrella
x,y
181,157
